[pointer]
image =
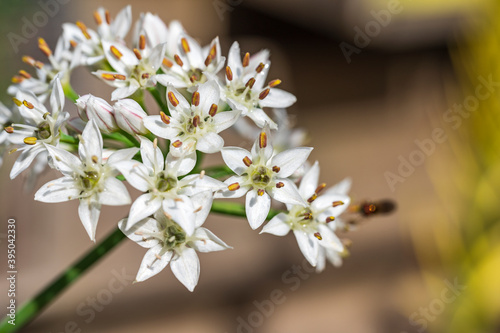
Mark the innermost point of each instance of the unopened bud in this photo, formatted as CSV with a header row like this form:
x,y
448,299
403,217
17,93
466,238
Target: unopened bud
x,y
91,107
129,116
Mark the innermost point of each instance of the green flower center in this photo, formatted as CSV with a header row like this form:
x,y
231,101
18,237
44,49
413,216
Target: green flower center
x,y
261,176
165,183
43,130
174,236
89,181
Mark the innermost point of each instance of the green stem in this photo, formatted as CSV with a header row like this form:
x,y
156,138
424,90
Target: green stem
x,y
236,209
34,306
124,137
69,92
68,139
218,171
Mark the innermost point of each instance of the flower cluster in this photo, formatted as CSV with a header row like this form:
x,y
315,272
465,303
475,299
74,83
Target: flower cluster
x,y
159,151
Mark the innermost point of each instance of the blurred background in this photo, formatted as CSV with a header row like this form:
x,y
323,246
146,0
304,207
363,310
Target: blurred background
x,y
388,92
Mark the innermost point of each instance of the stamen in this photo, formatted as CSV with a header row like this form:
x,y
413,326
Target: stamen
x,y
318,235
173,100
157,256
193,78
17,79
17,102
164,117
246,60
196,121
115,52
330,219
142,42
12,150
108,76
213,110
120,76
95,159
312,198
259,68
145,76
346,242
167,63
320,188
233,187
177,144
73,43
229,73
28,105
83,28
97,18
202,174
195,100
29,60
108,17
178,60
25,74
198,209
260,192
276,168
45,115
185,45
264,93
262,140
307,216
337,203
247,161
42,45
211,55
9,129
279,185
274,83
39,64
208,60
155,143
30,140
137,54
250,83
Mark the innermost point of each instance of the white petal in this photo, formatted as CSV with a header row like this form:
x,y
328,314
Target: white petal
x,y
265,153
89,212
287,194
233,194
152,157
151,265
59,190
135,173
182,212
186,268
226,119
278,98
199,184
183,164
210,143
114,193
321,260
277,226
126,91
121,155
126,62
260,118
136,231
24,160
309,181
122,22
91,145
334,258
209,94
202,203
159,128
234,60
143,206
290,160
157,55
183,103
63,160
257,207
166,79
308,246
325,202
329,239
57,97
343,187
206,241
233,157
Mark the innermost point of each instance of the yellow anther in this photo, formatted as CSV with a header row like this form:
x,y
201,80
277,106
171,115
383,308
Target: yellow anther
x,y
83,28
185,45
108,76
274,83
142,42
17,102
250,83
9,129
247,161
115,52
195,100
97,18
264,93
137,54
28,105
42,45
262,140
172,98
233,187
164,118
30,140
229,73
177,144
260,192
246,60
213,110
167,63
178,60
260,67
318,235
337,203
279,185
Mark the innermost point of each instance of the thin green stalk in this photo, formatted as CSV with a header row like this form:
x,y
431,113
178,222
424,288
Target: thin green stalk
x,y
157,96
218,171
236,209
69,92
122,137
34,306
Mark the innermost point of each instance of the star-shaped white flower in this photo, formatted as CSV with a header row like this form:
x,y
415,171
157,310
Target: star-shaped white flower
x,y
314,224
193,126
261,174
245,87
168,242
193,64
133,69
41,128
88,178
159,178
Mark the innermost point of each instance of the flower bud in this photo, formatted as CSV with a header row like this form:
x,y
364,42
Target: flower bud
x,y
129,115
91,107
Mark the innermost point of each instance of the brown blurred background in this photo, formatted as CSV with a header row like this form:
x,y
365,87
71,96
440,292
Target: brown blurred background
x,y
362,116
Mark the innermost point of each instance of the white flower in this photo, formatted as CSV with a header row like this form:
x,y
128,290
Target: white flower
x,y
6,118
193,126
192,65
41,128
314,224
262,174
168,242
245,89
159,178
88,178
129,116
134,70
96,108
